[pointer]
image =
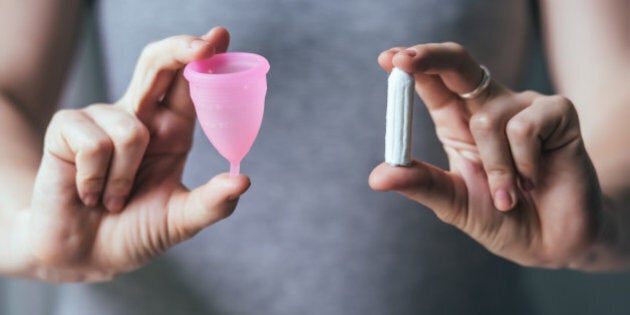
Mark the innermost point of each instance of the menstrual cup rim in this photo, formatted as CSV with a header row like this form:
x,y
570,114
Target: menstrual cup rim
x,y
261,67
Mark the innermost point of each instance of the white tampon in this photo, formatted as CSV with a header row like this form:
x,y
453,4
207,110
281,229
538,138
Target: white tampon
x,y
399,118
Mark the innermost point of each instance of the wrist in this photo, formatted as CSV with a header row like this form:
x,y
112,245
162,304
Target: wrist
x,y
610,248
14,244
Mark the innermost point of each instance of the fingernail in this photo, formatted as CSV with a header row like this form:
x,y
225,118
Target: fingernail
x,y
115,203
502,200
198,43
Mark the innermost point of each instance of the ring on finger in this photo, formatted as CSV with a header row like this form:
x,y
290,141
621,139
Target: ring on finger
x,y
483,85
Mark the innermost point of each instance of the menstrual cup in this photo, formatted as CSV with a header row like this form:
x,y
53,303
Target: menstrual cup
x,y
228,91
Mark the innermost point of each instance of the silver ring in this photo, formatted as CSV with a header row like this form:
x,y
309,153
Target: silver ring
x,y
483,85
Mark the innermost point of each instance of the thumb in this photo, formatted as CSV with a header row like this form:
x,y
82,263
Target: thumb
x,y
433,187
191,211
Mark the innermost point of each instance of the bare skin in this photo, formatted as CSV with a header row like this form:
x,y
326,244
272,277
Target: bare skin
x,y
508,190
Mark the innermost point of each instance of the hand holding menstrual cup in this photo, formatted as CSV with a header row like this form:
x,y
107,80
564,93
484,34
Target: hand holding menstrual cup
x,y
228,91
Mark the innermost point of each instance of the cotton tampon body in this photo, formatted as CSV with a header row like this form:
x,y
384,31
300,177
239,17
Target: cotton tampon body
x,y
399,117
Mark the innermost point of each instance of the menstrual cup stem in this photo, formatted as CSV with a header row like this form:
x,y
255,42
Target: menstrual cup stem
x,y
235,168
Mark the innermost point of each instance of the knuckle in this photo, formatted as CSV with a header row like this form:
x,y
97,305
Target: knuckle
x,y
423,57
565,105
120,185
422,51
528,95
96,106
149,50
60,119
90,182
461,53
520,129
63,116
97,146
484,122
557,100
130,133
150,55
560,103
499,172
455,47
153,50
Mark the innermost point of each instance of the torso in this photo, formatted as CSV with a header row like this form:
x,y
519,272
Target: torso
x,y
310,237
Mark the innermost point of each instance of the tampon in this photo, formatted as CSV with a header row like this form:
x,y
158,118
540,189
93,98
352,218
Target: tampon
x,y
400,91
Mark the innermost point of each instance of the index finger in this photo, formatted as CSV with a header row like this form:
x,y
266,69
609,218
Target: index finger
x,y
158,66
177,97
458,73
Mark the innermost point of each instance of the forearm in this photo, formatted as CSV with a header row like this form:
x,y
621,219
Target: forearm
x,y
20,150
38,38
606,136
613,244
611,249
588,43
605,133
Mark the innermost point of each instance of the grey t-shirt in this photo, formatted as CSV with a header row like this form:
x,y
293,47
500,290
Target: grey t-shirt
x,y
310,237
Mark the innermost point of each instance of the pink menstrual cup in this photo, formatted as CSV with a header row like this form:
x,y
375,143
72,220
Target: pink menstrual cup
x,y
228,91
